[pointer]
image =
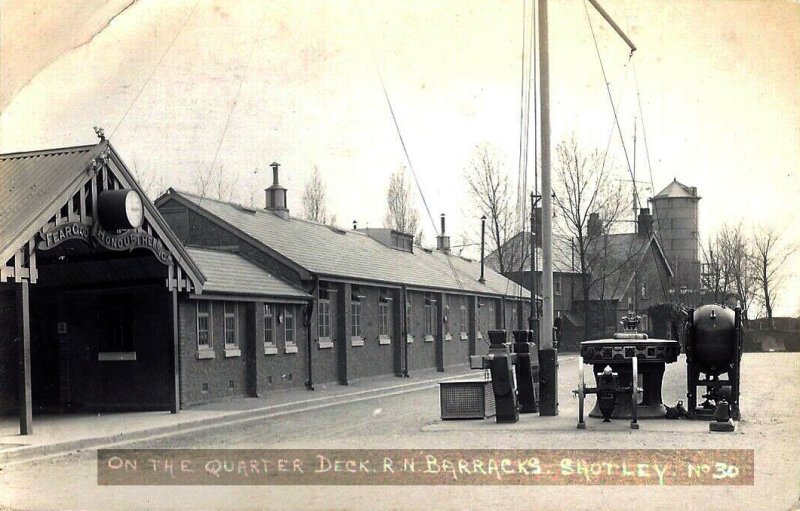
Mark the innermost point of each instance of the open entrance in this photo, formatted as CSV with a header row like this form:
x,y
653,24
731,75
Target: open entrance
x,y
89,281
100,331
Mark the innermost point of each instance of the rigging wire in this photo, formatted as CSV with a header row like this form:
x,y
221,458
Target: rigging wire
x,y
610,97
153,71
403,143
204,183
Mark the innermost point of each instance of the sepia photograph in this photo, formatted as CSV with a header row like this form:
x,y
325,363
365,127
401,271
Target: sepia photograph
x,y
383,254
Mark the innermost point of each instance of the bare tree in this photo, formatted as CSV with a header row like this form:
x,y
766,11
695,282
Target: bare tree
x,y
401,215
151,185
584,185
735,260
489,188
215,184
315,205
769,255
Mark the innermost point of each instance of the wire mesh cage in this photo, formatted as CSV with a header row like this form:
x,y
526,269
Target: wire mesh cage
x,y
467,399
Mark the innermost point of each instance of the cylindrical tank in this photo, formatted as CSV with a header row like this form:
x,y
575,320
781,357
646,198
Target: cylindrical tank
x,y
714,339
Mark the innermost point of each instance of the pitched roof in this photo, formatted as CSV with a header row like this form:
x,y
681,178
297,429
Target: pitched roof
x,y
35,184
29,182
622,254
231,273
334,253
677,190
521,242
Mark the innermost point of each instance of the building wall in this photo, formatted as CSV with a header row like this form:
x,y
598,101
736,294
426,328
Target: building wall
x,y
283,367
371,358
455,331
421,354
209,379
8,349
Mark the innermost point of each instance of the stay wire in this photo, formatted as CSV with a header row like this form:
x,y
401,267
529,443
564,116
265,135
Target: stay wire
x,y
403,143
205,182
610,97
153,71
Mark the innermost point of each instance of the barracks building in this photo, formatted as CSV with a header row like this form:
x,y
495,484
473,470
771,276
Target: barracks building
x,y
110,302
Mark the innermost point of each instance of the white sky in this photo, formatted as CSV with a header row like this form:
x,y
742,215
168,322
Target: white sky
x,y
718,83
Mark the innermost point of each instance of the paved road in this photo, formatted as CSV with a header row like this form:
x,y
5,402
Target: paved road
x,y
410,420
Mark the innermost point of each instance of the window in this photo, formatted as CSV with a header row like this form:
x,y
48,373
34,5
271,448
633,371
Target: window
x,y
385,328
557,285
288,323
204,335
270,348
231,335
430,319
117,328
464,319
355,318
445,315
324,314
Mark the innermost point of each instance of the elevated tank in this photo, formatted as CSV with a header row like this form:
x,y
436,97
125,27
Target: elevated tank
x,y
715,342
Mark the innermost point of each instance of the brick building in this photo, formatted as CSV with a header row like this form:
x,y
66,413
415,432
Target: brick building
x,y
360,283
103,306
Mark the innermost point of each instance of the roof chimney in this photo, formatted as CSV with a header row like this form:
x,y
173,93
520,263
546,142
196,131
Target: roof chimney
x,y
645,222
276,194
442,241
595,227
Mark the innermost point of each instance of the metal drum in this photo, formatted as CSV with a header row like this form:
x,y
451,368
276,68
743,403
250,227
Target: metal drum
x,y
715,340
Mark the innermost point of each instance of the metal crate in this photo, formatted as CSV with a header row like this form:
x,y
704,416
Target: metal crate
x,y
466,399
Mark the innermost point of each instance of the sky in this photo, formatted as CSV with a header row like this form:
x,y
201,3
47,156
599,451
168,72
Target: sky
x,y
197,88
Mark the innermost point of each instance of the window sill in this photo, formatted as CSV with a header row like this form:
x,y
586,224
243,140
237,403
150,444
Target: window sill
x,y
204,354
448,337
409,339
384,339
270,349
324,344
116,356
428,338
232,352
356,341
290,349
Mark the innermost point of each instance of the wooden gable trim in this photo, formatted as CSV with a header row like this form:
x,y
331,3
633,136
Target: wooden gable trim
x,y
185,263
52,209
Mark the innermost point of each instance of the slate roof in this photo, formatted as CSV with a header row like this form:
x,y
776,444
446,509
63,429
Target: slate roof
x,y
561,254
329,252
622,254
676,190
29,182
231,273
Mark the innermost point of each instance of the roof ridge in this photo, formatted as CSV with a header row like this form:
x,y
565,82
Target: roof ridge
x,y
45,152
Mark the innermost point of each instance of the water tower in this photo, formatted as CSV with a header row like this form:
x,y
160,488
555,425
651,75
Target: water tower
x,y
675,219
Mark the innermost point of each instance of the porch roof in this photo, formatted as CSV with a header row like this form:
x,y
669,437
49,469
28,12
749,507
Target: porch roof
x,y
231,273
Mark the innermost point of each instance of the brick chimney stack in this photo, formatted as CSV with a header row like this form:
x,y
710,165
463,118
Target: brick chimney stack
x,y
442,241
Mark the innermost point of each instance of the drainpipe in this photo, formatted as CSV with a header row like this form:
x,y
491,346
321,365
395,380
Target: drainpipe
x,y
307,322
404,340
482,280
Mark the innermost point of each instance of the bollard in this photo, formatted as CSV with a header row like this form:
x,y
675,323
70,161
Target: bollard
x,y
524,369
500,361
548,382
